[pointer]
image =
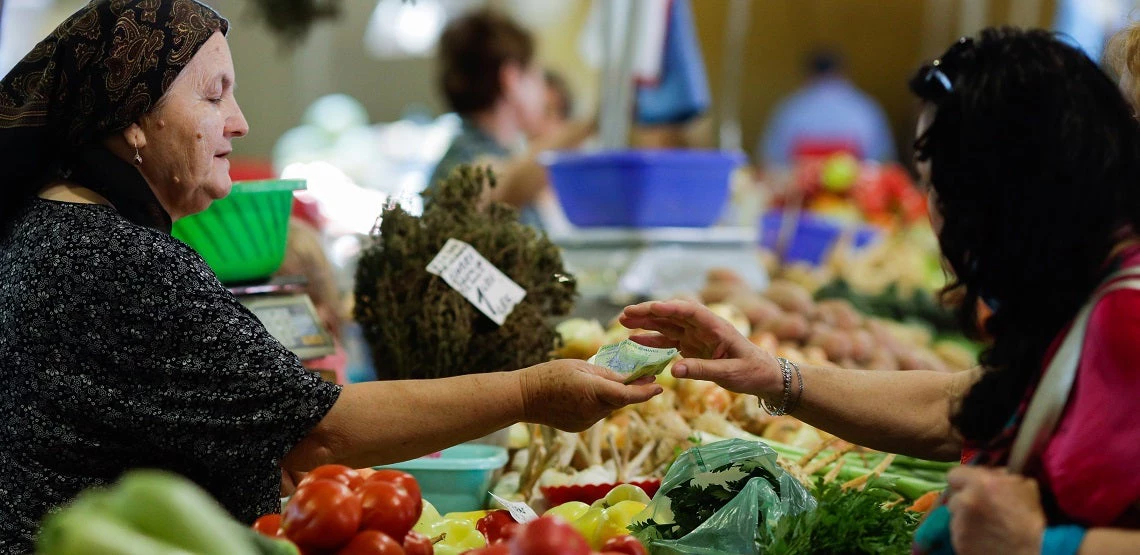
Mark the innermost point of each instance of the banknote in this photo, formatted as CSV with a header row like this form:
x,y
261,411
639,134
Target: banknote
x,y
633,360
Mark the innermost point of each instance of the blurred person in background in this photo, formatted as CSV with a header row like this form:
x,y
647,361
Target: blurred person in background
x,y
490,77
829,113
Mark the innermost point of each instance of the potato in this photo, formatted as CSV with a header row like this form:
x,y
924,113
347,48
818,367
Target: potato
x,y
836,343
840,313
882,359
720,292
791,352
815,355
756,308
789,327
862,345
724,275
791,297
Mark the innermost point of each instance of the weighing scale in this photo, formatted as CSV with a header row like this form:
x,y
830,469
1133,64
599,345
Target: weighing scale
x,y
617,267
287,312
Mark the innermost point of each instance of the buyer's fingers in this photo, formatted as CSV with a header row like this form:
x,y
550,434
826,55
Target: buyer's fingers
x,y
656,341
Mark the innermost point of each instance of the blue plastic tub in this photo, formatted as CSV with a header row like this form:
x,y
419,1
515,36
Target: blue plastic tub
x,y
642,188
813,237
459,480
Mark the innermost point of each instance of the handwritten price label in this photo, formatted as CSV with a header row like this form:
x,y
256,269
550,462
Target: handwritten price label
x,y
479,281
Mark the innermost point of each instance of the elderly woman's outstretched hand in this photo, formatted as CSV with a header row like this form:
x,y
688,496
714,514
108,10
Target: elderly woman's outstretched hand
x,y
572,395
714,349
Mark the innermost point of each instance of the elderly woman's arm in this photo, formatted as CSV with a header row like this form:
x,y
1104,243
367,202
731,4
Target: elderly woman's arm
x,y
900,412
383,422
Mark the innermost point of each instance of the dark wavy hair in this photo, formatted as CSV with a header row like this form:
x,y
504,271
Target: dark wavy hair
x,y
1035,163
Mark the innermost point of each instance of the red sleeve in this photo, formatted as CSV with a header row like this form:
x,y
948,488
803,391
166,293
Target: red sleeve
x,y
1091,462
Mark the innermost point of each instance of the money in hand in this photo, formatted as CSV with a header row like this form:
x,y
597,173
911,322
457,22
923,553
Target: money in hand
x,y
633,360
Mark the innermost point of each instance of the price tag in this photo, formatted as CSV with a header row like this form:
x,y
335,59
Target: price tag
x,y
521,512
479,281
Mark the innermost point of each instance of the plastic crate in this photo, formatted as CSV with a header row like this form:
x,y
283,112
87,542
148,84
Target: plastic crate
x,y
643,188
813,237
458,480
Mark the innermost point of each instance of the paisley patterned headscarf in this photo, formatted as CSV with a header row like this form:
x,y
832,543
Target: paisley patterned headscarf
x,y
97,73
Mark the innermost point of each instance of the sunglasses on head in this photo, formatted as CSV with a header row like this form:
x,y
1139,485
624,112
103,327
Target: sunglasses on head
x,y
936,77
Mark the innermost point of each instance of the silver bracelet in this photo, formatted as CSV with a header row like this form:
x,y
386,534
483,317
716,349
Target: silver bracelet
x,y
800,394
787,373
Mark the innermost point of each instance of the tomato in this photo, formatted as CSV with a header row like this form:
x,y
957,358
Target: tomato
x,y
497,526
322,514
418,544
387,508
497,549
627,545
371,542
335,472
269,525
404,480
549,536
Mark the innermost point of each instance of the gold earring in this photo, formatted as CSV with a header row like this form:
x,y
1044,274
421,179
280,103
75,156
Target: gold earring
x,y
138,157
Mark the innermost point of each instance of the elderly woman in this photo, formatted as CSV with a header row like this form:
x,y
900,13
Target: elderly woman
x,y
1033,162
121,349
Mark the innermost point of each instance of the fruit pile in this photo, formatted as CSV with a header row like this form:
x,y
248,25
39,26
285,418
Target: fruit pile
x,y
841,186
551,535
342,511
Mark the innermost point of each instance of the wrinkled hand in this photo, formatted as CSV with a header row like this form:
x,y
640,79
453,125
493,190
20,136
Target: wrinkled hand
x,y
715,351
572,395
993,511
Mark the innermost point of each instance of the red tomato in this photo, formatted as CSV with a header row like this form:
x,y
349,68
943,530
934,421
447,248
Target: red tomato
x,y
269,525
549,536
323,514
497,526
627,545
371,542
387,508
335,472
497,549
418,544
404,480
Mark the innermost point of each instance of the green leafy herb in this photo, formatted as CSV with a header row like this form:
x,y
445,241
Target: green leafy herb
x,y
845,522
693,504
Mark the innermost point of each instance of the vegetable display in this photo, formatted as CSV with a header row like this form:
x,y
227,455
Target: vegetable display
x,y
337,509
150,513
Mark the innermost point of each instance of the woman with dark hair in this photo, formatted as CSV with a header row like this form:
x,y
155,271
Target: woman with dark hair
x,y
1032,160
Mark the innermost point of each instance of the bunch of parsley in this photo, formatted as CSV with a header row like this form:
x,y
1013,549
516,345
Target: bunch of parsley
x,y
845,522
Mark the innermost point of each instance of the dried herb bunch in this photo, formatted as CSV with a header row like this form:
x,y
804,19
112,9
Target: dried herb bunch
x,y
291,20
419,327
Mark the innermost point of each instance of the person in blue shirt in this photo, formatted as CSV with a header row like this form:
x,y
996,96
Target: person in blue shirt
x,y
490,76
828,110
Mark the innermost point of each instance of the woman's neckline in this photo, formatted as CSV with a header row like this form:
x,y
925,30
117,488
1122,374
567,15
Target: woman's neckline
x,y
71,193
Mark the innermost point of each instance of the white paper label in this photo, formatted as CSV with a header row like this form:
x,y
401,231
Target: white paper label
x,y
521,512
479,281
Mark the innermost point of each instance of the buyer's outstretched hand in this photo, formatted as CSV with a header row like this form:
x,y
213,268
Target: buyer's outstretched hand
x,y
713,349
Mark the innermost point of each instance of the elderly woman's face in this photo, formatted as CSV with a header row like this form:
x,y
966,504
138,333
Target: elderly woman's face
x,y
184,141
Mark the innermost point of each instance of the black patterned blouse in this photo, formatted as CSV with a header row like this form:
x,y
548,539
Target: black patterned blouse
x,y
120,349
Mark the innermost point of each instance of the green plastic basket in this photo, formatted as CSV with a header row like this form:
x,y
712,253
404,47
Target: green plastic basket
x,y
242,236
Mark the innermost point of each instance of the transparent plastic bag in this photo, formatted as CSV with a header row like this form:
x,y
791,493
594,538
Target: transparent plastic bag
x,y
733,528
